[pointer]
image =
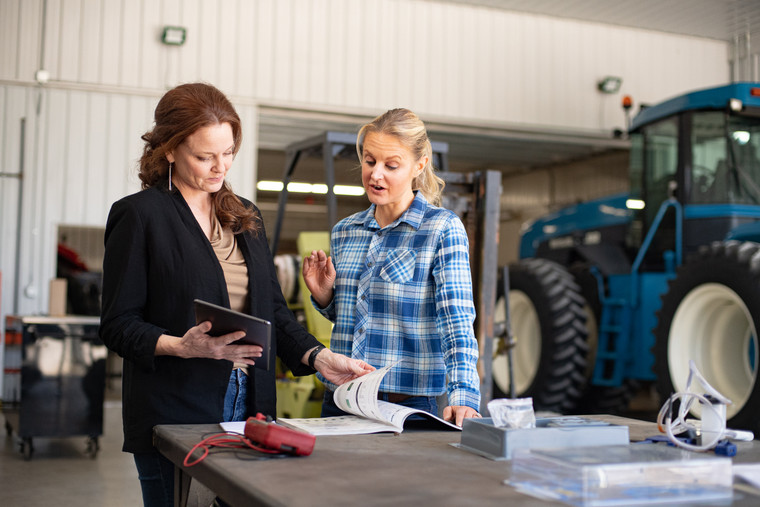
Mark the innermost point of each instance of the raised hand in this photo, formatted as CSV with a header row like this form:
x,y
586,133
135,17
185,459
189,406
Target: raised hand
x,y
319,275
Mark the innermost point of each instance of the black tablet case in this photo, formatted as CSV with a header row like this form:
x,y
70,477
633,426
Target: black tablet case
x,y
224,321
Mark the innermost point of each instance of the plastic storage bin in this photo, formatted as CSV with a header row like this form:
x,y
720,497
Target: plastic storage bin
x,y
622,474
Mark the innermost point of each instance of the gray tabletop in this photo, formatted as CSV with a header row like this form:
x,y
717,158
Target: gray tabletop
x,y
414,467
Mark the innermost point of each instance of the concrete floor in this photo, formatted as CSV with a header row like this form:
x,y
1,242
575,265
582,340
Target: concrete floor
x,y
60,471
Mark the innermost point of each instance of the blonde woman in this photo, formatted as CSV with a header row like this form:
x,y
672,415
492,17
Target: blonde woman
x,y
398,285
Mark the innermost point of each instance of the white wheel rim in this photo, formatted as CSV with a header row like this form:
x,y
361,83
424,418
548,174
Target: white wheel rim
x,y
713,326
526,354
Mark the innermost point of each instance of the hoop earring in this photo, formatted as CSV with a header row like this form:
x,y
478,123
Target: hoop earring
x,y
170,176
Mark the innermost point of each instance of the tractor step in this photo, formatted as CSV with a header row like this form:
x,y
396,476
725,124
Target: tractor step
x,y
612,347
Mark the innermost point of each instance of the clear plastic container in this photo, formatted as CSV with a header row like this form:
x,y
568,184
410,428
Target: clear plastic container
x,y
622,475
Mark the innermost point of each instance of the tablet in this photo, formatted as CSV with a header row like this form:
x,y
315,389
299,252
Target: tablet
x,y
224,321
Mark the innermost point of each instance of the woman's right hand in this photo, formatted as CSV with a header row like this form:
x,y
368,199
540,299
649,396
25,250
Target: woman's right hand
x,y
197,343
319,275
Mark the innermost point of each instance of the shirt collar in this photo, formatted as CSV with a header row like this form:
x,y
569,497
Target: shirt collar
x,y
412,216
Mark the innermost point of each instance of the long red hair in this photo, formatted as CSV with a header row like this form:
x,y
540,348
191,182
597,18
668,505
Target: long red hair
x,y
180,112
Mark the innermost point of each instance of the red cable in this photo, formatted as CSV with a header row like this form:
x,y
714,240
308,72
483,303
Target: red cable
x,y
229,440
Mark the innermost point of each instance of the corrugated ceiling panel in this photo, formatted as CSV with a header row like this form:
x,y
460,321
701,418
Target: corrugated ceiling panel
x,y
9,43
131,44
68,46
29,40
265,50
186,56
110,43
246,39
90,38
150,50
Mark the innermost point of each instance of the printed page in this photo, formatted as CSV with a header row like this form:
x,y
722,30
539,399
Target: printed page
x,y
397,414
340,425
359,396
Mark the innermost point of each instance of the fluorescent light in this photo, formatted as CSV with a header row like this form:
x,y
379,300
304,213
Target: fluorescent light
x,y
269,186
309,188
348,190
299,188
635,204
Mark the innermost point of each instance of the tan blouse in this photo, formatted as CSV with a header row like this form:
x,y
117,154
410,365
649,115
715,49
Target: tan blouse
x,y
233,264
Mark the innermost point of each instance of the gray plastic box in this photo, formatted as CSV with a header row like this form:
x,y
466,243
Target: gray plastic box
x,y
482,437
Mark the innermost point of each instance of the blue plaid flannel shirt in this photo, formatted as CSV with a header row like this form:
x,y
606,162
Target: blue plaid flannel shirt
x,y
404,293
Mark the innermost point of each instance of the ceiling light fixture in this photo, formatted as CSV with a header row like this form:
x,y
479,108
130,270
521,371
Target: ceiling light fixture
x,y
309,188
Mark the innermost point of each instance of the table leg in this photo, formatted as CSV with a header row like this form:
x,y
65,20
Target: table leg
x,y
181,487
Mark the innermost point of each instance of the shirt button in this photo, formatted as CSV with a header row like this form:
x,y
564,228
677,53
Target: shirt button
x,y
369,264
361,330
363,297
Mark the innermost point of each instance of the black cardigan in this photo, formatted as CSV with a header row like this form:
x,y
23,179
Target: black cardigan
x,y
157,261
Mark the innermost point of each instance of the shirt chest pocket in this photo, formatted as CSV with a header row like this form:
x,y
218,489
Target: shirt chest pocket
x,y
399,266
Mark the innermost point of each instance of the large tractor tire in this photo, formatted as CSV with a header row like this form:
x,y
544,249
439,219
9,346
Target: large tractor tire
x,y
549,357
711,314
598,399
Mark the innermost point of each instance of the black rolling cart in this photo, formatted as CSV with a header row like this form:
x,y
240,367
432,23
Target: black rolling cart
x,y
53,379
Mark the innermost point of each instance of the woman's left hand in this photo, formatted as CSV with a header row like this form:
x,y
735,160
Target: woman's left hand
x,y
338,368
457,414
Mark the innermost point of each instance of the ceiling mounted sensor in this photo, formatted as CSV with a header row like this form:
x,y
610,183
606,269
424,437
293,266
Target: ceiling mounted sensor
x,y
173,35
610,84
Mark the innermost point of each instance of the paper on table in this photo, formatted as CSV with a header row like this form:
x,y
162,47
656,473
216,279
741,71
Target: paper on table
x,y
749,472
234,426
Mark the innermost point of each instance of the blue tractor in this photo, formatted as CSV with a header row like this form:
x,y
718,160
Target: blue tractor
x,y
625,290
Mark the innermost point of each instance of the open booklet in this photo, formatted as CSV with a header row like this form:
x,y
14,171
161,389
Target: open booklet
x,y
359,397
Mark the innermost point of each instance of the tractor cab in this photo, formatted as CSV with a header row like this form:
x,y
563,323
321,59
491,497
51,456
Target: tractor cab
x,y
701,150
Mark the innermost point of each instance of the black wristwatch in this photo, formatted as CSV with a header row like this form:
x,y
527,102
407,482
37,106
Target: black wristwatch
x,y
313,355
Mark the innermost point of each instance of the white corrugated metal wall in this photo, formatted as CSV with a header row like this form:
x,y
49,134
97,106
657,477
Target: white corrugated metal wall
x,y
446,61
443,59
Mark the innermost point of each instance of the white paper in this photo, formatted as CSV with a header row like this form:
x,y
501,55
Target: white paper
x,y
749,472
233,427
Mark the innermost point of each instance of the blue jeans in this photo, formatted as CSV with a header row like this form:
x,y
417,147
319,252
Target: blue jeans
x,y
156,473
235,406
427,403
